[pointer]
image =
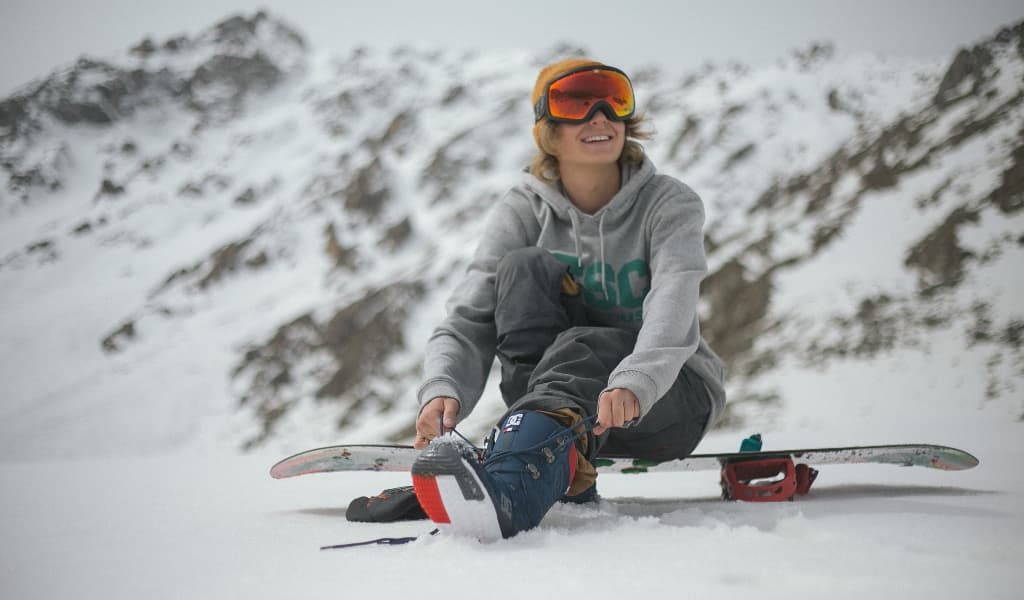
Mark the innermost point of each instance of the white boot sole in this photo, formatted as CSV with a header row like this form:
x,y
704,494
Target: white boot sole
x,y
464,509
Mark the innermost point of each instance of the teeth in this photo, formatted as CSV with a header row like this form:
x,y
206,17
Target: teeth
x,y
596,138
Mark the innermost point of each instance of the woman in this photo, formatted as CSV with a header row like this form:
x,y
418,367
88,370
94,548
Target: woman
x,y
585,286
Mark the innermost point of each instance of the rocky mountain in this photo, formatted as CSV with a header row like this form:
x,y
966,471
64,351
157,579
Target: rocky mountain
x,y
232,239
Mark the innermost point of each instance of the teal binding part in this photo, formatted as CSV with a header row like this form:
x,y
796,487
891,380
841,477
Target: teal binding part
x,y
751,444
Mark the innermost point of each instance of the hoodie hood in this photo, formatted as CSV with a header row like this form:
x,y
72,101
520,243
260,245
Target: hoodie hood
x,y
633,176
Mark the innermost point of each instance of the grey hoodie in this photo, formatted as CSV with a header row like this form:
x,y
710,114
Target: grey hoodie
x,y
650,241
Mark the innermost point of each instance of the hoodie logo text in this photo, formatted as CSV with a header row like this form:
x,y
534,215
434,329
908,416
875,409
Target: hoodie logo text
x,y
626,289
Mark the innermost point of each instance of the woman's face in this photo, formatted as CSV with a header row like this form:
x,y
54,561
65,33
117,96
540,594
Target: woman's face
x,y
598,141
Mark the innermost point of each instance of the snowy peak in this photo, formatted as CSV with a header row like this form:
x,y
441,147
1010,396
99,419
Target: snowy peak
x,y
975,70
209,75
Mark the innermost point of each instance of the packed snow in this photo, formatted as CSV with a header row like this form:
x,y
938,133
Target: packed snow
x,y
202,525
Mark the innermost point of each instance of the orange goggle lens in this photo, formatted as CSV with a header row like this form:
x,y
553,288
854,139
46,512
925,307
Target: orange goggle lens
x,y
576,96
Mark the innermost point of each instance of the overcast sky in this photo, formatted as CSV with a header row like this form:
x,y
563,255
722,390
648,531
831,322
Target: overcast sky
x,y
37,36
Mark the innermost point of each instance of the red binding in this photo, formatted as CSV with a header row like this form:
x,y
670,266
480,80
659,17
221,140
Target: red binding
x,y
766,479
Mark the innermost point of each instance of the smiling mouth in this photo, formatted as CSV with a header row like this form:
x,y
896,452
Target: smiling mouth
x,y
596,138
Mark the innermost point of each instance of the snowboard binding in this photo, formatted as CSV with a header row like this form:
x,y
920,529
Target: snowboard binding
x,y
773,479
766,480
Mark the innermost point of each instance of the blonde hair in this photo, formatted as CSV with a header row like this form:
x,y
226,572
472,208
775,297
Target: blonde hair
x,y
544,165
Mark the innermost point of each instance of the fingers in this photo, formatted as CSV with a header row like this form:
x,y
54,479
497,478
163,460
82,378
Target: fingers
x,y
426,422
618,411
604,410
616,408
429,421
451,411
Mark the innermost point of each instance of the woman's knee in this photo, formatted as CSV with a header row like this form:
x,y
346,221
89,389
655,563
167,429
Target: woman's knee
x,y
529,260
598,338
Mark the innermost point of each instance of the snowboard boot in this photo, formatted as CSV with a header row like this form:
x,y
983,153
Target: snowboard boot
x,y
393,504
526,470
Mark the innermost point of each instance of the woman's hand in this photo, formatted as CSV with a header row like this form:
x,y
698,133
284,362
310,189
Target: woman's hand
x,y
430,418
615,408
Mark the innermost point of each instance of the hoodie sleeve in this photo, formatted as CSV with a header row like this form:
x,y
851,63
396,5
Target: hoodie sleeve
x,y
670,333
461,350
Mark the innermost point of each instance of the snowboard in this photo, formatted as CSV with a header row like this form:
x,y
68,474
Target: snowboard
x,y
370,457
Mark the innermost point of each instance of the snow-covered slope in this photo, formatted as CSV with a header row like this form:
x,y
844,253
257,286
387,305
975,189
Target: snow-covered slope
x,y
201,526
233,241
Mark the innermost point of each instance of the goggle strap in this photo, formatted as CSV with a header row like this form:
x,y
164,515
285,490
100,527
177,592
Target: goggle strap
x,y
540,108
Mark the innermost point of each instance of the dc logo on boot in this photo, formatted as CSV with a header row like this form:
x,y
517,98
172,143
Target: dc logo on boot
x,y
512,423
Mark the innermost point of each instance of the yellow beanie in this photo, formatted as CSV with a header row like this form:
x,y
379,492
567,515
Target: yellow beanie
x,y
550,73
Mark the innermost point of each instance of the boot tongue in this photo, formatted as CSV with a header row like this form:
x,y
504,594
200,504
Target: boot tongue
x,y
525,432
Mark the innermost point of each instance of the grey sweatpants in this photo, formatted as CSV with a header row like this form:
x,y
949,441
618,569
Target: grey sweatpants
x,y
552,357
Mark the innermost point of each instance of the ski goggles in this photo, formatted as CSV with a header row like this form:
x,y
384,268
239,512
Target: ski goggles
x,y
577,95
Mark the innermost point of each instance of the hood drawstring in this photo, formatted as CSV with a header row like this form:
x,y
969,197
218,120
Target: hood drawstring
x,y
576,239
574,219
600,239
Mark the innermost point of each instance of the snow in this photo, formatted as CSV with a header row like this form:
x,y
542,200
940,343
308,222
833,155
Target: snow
x,y
195,525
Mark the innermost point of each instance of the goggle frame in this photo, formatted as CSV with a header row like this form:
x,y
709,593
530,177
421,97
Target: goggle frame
x,y
542,109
